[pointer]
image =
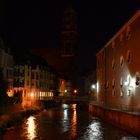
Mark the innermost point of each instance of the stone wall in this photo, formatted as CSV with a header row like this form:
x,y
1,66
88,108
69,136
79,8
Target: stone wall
x,y
129,122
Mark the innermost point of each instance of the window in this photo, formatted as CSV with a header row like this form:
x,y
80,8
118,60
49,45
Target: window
x,y
27,82
121,93
128,81
113,83
128,56
128,33
107,84
113,44
33,75
128,92
121,60
113,64
121,82
137,79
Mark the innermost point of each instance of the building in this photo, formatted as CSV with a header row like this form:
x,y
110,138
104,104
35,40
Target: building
x,y
62,57
118,68
6,65
34,79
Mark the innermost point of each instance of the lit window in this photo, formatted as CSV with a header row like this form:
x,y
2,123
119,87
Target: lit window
x,y
121,60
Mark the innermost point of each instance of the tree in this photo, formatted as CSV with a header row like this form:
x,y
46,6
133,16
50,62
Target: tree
x,y
3,90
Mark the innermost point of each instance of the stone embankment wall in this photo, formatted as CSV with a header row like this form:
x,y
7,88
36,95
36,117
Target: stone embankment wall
x,y
129,122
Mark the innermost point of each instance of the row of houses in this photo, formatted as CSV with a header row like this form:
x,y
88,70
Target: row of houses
x,y
118,68
31,77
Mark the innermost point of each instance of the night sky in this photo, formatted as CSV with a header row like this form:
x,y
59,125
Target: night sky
x,y
26,24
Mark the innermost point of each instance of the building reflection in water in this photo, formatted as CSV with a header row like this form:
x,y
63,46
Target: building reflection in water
x,y
70,119
65,119
74,121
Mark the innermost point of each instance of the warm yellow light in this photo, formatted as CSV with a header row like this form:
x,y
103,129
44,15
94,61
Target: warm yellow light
x,y
32,94
31,128
75,91
66,91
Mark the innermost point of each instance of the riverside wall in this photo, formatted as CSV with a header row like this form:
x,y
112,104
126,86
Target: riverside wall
x,y
127,121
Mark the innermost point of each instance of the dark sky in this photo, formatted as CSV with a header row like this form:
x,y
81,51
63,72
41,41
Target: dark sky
x,y
26,24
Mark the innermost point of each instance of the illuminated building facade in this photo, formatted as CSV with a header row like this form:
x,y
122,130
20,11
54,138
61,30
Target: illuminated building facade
x,y
118,68
34,80
6,65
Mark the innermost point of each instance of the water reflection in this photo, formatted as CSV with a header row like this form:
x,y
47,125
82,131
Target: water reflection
x,y
69,120
129,138
93,131
66,122
74,121
31,128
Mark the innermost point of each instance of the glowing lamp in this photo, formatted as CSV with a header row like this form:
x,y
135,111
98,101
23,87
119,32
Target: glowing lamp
x,y
66,91
75,91
93,86
32,94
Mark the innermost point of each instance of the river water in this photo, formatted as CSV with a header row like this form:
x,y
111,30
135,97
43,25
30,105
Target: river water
x,y
66,122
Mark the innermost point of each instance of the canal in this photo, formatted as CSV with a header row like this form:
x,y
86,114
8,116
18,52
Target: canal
x,y
65,122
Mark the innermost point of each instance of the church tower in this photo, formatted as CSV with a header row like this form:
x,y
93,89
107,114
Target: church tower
x,y
69,32
69,41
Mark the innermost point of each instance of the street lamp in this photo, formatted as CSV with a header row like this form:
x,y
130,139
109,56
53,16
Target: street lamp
x,y
93,86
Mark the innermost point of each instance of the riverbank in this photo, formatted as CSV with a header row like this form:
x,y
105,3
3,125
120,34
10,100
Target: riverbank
x,y
127,121
9,120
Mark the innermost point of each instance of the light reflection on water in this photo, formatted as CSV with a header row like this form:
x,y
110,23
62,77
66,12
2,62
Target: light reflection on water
x,y
67,122
31,128
93,131
74,122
